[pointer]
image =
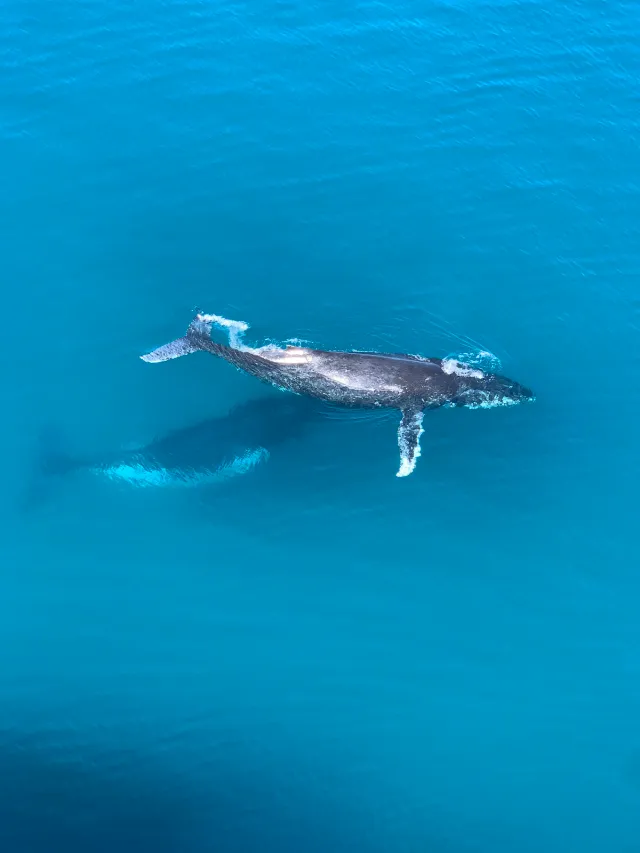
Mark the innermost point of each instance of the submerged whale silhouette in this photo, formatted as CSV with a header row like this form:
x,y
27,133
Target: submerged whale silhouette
x,y
211,451
368,380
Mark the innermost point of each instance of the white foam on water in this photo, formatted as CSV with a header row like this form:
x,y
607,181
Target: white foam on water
x,y
489,400
480,359
236,328
140,476
298,355
298,342
494,403
452,365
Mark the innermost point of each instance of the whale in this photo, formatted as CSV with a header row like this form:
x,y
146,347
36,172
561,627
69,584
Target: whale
x,y
411,384
209,452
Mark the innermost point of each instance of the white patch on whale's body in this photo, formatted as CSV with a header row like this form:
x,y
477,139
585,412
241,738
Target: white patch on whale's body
x,y
288,356
347,381
139,475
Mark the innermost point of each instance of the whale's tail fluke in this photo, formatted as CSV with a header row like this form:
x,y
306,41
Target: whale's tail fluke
x,y
236,353
174,349
197,338
52,461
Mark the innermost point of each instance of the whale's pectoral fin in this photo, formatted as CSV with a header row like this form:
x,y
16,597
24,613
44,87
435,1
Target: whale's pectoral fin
x,y
409,433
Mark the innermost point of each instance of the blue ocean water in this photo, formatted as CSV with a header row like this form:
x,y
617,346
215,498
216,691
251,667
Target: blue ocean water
x,y
317,655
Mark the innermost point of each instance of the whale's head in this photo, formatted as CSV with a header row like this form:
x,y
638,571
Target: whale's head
x,y
476,389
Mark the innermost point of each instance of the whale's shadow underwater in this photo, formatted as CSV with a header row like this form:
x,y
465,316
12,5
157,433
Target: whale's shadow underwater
x,y
212,452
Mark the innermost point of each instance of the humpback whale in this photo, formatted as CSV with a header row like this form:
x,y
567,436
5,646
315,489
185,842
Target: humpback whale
x,y
411,384
211,451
